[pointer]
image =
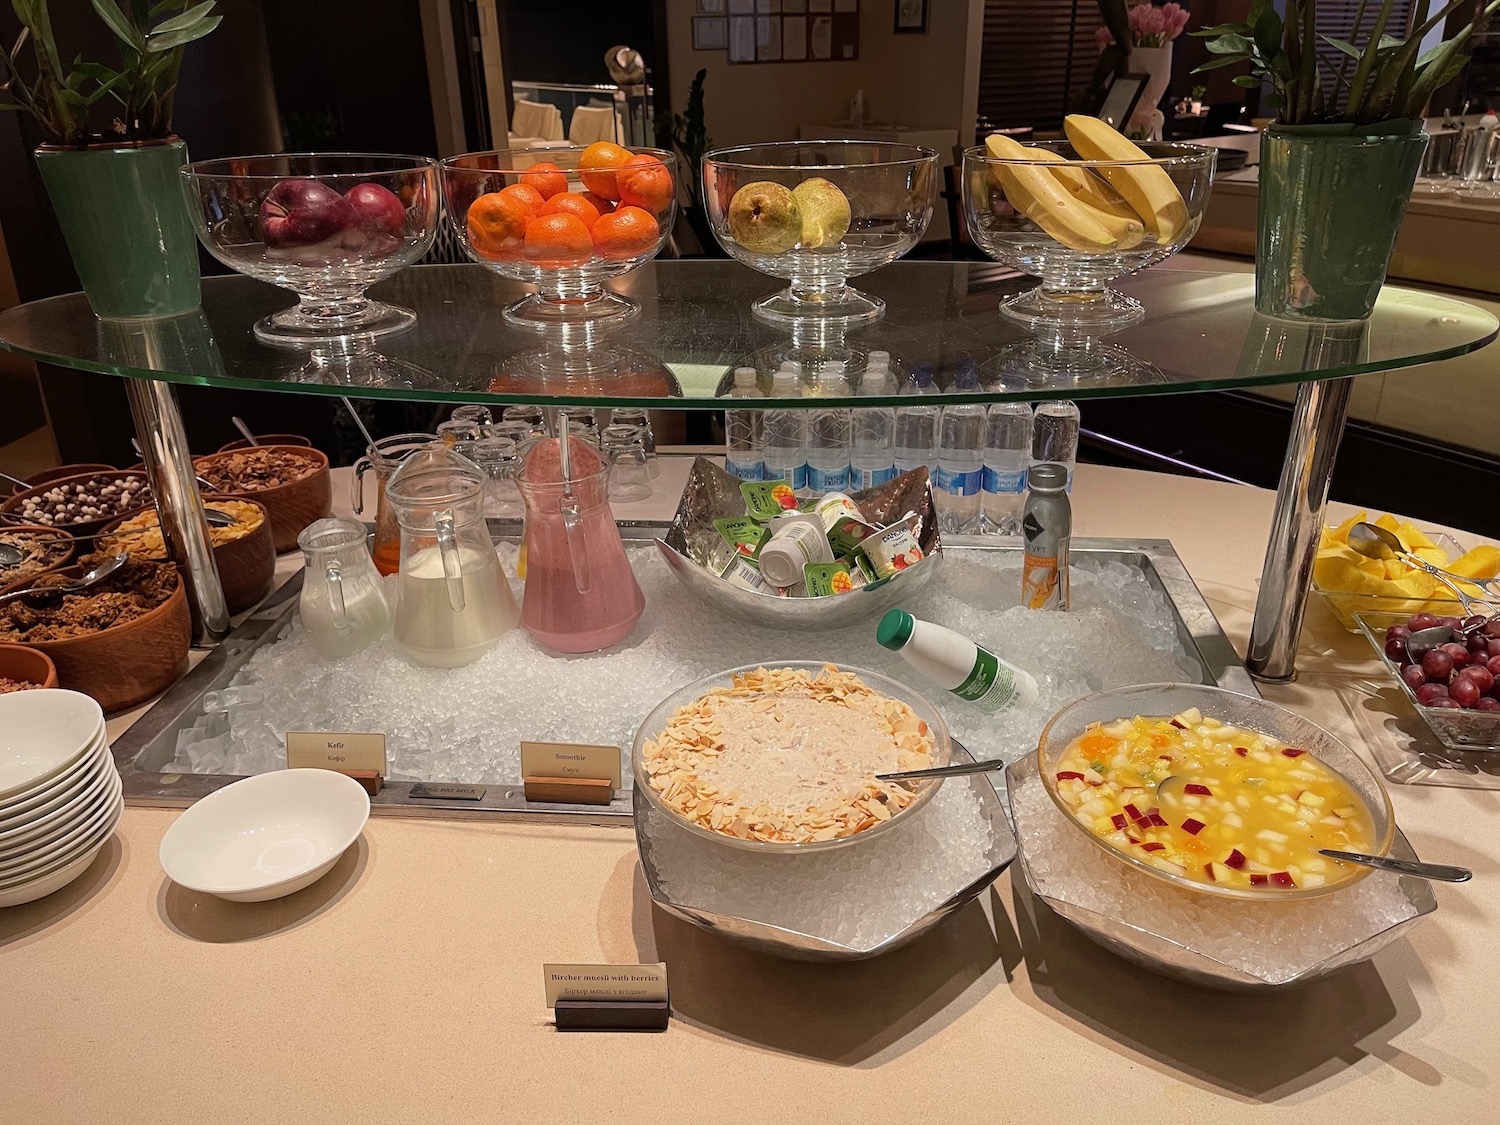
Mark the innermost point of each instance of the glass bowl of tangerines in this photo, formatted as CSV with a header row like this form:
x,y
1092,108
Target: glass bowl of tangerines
x,y
565,219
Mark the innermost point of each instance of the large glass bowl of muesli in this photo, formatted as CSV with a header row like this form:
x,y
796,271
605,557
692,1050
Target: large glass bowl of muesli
x,y
783,757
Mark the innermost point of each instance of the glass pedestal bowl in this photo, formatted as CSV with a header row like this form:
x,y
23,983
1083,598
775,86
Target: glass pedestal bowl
x,y
1074,254
564,219
818,213
326,226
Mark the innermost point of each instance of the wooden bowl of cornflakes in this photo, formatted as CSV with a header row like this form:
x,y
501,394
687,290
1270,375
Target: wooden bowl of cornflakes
x,y
244,551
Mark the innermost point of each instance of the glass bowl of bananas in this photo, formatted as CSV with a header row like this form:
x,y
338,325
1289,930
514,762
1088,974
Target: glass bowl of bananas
x,y
1080,213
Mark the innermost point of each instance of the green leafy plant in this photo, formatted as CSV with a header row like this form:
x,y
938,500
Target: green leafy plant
x,y
1316,79
62,96
685,133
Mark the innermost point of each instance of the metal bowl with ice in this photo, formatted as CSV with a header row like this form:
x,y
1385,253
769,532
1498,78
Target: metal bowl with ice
x,y
697,553
782,761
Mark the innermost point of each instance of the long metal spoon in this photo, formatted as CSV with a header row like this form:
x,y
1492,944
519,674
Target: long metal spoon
x,y
239,424
21,485
89,578
985,766
1377,543
1439,871
358,421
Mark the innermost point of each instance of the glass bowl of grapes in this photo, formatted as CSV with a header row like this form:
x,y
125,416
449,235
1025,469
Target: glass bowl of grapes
x,y
1453,685
326,226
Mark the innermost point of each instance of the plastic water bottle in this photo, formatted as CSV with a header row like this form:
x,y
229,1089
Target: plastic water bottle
x,y
1007,454
1054,436
960,472
742,430
784,435
872,458
916,429
828,437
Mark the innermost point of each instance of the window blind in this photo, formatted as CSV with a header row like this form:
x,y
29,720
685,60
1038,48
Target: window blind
x,y
1035,57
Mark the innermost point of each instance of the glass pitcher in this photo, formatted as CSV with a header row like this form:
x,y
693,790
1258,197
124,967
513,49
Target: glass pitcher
x,y
384,458
452,598
581,594
343,603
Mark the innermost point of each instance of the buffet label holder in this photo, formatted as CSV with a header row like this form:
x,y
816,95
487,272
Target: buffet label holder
x,y
356,754
608,997
570,772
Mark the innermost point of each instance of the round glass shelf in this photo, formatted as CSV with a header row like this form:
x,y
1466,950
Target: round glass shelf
x,y
1201,332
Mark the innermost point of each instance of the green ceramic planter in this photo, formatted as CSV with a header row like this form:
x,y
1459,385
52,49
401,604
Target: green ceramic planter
x,y
127,227
1331,205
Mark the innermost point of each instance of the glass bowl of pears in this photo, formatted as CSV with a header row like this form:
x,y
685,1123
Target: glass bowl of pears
x,y
1080,213
818,213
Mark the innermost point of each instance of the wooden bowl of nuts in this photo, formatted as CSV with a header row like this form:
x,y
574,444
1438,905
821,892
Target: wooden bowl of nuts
x,y
82,504
243,550
23,667
28,551
291,482
121,641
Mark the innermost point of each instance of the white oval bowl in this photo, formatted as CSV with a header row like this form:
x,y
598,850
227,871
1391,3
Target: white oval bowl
x,y
58,793
52,881
42,732
266,836
96,821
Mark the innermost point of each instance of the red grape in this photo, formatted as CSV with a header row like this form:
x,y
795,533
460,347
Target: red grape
x,y
1476,644
1443,703
1414,676
1492,646
1494,666
1464,691
1487,704
1395,648
1471,623
1400,631
1451,622
1438,665
1492,627
1457,653
1480,676
1421,621
1428,692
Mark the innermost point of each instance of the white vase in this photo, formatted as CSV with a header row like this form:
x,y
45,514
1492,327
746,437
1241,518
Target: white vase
x,y
1156,64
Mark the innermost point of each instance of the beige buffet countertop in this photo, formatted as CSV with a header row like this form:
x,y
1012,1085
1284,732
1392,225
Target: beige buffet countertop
x,y
406,985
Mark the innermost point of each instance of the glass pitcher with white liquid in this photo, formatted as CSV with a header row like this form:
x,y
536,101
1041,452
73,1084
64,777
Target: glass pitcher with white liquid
x,y
343,604
452,598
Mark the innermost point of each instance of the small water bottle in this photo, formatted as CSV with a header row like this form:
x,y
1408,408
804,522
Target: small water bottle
x,y
1007,454
872,458
742,430
828,437
916,429
784,435
1054,436
960,473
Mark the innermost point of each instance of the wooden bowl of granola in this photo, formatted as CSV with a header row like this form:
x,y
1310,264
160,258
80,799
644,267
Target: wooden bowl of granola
x,y
43,550
23,667
267,439
244,552
83,503
121,642
791,740
291,482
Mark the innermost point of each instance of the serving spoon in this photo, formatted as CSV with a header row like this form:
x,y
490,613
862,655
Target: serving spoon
x,y
86,580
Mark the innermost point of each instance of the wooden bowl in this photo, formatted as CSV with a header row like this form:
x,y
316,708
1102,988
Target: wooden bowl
x,y
247,567
86,527
61,471
7,585
291,506
22,662
125,665
267,439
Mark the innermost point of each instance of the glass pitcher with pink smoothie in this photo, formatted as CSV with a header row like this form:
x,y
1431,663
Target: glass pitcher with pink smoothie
x,y
581,594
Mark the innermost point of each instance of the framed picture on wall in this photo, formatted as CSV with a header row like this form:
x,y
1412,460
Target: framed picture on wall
x,y
710,7
1119,100
911,16
710,33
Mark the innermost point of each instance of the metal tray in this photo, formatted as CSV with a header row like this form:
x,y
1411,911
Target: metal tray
x,y
151,741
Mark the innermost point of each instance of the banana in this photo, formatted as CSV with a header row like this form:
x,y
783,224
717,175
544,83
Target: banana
x,y
1042,198
1114,212
1147,188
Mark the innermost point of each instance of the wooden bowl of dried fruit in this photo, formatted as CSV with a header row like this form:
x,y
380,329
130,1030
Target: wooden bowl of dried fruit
x,y
121,641
23,667
42,550
291,482
244,552
84,503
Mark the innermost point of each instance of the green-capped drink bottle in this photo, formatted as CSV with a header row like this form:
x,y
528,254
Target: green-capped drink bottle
x,y
952,661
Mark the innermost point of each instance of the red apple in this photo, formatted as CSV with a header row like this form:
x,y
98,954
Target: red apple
x,y
303,213
376,208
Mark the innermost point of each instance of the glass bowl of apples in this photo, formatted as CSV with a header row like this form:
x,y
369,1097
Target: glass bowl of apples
x,y
1080,213
327,226
818,213
565,219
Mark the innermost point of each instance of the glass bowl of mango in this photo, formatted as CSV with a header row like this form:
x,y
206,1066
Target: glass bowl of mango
x,y
1352,583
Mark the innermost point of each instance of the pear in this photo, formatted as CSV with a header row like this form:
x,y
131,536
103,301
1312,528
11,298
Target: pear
x,y
825,212
764,218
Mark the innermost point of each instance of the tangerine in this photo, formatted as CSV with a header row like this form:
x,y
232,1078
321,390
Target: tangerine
x,y
644,182
496,224
558,240
626,233
596,167
602,205
547,178
524,194
567,203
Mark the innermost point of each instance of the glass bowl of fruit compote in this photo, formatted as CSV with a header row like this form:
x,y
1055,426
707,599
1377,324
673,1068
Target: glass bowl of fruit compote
x,y
1255,791
326,226
1080,213
818,213
564,219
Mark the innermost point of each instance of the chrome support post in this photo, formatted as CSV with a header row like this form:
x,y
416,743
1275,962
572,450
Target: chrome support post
x,y
1317,427
169,467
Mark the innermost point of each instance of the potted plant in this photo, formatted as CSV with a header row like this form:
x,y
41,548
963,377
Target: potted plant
x,y
686,133
1152,30
114,183
1338,165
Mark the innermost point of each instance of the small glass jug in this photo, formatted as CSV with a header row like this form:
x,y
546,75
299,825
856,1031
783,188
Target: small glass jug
x,y
581,594
384,458
452,598
343,603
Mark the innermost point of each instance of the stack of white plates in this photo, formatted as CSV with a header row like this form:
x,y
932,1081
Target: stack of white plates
x,y
59,791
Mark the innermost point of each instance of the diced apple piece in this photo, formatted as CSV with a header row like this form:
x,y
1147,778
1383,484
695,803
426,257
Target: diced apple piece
x,y
1283,879
1192,827
1197,790
1311,880
1310,799
1152,846
1259,880
1235,860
